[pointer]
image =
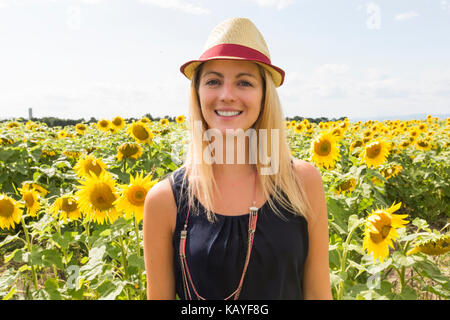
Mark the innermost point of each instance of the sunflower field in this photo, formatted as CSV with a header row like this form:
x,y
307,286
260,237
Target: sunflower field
x,y
71,205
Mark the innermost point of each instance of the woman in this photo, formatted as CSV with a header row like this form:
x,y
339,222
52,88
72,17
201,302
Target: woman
x,y
237,225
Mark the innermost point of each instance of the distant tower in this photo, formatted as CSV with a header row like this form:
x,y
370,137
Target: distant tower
x,y
30,113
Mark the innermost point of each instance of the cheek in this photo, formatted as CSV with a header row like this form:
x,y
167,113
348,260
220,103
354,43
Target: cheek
x,y
205,98
255,101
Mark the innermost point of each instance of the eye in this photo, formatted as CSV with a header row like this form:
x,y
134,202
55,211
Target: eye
x,y
212,82
245,83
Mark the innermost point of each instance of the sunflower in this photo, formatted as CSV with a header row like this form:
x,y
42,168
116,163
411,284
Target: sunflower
x,y
30,125
72,154
37,187
133,196
96,198
62,134
140,132
129,150
355,144
164,122
118,123
404,144
89,165
299,127
422,127
31,199
10,211
381,230
180,119
338,133
80,128
145,120
104,125
423,144
375,153
367,133
414,133
5,141
324,150
346,186
67,207
391,171
13,124
437,245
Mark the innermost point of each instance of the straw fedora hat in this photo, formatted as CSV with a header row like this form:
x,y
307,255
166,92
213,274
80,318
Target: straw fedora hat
x,y
236,39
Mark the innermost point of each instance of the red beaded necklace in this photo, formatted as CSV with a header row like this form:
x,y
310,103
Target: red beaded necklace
x,y
252,219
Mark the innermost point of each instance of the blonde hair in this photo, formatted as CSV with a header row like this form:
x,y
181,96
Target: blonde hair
x,y
200,174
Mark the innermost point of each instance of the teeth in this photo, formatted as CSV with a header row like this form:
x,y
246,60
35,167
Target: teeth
x,y
227,113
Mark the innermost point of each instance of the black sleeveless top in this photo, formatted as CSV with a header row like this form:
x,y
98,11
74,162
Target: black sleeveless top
x,y
216,251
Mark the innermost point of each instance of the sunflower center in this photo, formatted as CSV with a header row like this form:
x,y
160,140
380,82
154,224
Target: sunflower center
x,y
128,150
6,208
102,197
103,124
117,121
140,132
136,195
346,185
29,199
93,166
357,144
382,224
69,205
373,150
323,148
422,144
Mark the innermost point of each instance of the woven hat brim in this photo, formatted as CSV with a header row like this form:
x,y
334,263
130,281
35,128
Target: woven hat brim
x,y
188,69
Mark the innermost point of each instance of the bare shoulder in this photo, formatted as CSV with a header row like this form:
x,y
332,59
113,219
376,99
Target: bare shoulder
x,y
307,172
160,205
311,179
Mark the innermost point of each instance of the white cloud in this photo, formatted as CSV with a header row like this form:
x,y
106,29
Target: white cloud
x,y
332,90
406,15
278,4
178,5
332,69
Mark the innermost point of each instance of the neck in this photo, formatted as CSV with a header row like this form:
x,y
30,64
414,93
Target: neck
x,y
235,162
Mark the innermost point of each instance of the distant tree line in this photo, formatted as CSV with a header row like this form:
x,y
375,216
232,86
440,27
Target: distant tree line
x,y
54,122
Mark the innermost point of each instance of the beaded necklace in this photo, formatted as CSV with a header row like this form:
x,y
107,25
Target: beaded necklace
x,y
252,219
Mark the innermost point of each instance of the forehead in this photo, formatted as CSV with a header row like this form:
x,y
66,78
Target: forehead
x,y
231,67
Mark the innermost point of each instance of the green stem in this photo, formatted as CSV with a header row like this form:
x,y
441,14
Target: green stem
x,y
136,230
124,265
138,246
30,247
86,229
402,276
58,229
343,262
124,258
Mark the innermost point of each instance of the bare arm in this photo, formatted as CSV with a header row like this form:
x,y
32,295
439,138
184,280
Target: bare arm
x,y
316,277
159,223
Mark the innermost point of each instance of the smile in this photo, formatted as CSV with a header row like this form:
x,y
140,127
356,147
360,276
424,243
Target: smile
x,y
228,113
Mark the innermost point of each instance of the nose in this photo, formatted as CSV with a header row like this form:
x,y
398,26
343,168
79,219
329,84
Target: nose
x,y
227,93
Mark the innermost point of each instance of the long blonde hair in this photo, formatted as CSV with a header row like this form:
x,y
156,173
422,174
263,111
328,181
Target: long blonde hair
x,y
284,181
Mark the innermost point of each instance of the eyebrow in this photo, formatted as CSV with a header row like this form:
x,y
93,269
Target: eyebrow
x,y
239,74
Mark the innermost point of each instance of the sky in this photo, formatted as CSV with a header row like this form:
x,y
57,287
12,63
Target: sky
x,y
78,59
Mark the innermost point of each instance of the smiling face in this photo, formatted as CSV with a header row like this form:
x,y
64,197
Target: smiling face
x,y
230,94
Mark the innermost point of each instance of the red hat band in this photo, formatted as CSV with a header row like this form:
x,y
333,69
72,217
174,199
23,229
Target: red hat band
x,y
234,50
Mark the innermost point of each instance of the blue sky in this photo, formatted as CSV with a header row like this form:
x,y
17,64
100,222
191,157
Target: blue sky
x,y
102,58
